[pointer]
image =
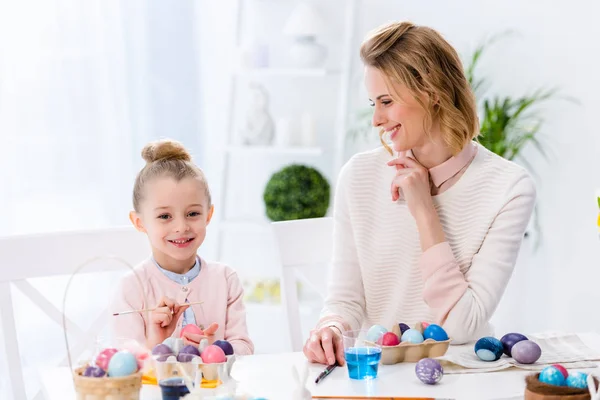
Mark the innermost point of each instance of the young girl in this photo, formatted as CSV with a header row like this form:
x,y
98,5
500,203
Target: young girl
x,y
428,229
172,206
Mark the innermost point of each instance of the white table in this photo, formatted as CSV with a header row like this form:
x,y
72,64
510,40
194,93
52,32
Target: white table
x,y
270,376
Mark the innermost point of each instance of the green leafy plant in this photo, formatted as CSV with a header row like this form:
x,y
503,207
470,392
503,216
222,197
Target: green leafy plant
x,y
296,192
508,124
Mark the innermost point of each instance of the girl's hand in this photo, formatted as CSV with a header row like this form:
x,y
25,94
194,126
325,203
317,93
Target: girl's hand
x,y
208,333
163,320
413,180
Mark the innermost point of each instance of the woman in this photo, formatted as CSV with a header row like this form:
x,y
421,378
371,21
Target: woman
x,y
430,229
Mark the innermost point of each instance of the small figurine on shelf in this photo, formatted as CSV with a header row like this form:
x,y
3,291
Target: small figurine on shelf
x,y
259,127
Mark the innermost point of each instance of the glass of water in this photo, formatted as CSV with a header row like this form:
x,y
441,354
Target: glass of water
x,y
362,357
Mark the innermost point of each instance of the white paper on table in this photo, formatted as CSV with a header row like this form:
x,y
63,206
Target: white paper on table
x,y
566,349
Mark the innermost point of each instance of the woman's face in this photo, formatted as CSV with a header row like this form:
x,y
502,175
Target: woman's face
x,y
401,117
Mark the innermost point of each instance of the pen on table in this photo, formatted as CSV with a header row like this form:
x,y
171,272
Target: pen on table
x,y
326,372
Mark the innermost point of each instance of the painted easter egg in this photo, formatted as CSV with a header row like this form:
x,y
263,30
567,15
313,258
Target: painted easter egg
x,y
403,327
429,371
552,376
188,353
425,325
526,352
389,339
509,340
435,332
225,346
161,352
122,363
412,336
104,357
375,332
213,354
191,328
488,349
176,344
94,372
577,380
562,369
419,327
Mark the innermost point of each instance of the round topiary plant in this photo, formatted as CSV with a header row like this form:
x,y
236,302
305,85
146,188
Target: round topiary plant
x,y
296,192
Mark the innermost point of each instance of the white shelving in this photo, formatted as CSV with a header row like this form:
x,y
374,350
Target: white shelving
x,y
332,152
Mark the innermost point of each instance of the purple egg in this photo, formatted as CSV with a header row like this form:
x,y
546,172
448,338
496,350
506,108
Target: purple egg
x,y
403,327
225,346
429,371
509,340
161,352
94,372
526,352
188,353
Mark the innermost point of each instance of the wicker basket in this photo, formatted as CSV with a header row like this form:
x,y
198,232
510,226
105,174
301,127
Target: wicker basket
x,y
122,388
536,390
105,388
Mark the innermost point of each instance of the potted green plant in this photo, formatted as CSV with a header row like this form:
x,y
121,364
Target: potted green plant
x,y
296,192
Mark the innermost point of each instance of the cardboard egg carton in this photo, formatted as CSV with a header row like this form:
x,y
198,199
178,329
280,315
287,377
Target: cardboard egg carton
x,y
411,352
196,369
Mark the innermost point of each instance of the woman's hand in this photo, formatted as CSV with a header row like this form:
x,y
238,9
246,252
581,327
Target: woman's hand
x,y
413,180
195,338
325,346
163,320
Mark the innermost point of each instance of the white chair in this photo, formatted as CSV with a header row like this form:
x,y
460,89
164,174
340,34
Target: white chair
x,y
305,249
58,254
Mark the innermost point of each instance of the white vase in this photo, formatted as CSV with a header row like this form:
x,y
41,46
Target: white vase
x,y
305,52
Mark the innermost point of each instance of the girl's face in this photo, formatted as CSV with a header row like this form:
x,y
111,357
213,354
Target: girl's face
x,y
402,117
174,215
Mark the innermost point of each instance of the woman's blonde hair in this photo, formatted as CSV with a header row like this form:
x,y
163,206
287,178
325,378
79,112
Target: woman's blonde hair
x,y
166,158
422,60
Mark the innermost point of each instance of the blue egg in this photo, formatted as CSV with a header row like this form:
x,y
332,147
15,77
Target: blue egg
x,y
375,332
489,349
412,336
577,380
122,363
435,332
552,376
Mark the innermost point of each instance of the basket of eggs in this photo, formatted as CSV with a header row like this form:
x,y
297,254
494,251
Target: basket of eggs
x,y
113,373
406,344
556,383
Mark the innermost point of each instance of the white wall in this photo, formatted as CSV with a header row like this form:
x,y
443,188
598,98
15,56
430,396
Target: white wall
x,y
556,44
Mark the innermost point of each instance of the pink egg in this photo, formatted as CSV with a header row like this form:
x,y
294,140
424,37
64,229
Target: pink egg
x,y
191,328
104,357
389,339
213,354
562,370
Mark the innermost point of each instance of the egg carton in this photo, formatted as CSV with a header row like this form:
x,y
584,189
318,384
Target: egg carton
x,y
196,369
412,352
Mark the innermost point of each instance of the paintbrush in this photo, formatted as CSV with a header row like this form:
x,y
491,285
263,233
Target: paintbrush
x,y
152,309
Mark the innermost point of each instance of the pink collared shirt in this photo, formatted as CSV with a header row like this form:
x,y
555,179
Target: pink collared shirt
x,y
443,176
